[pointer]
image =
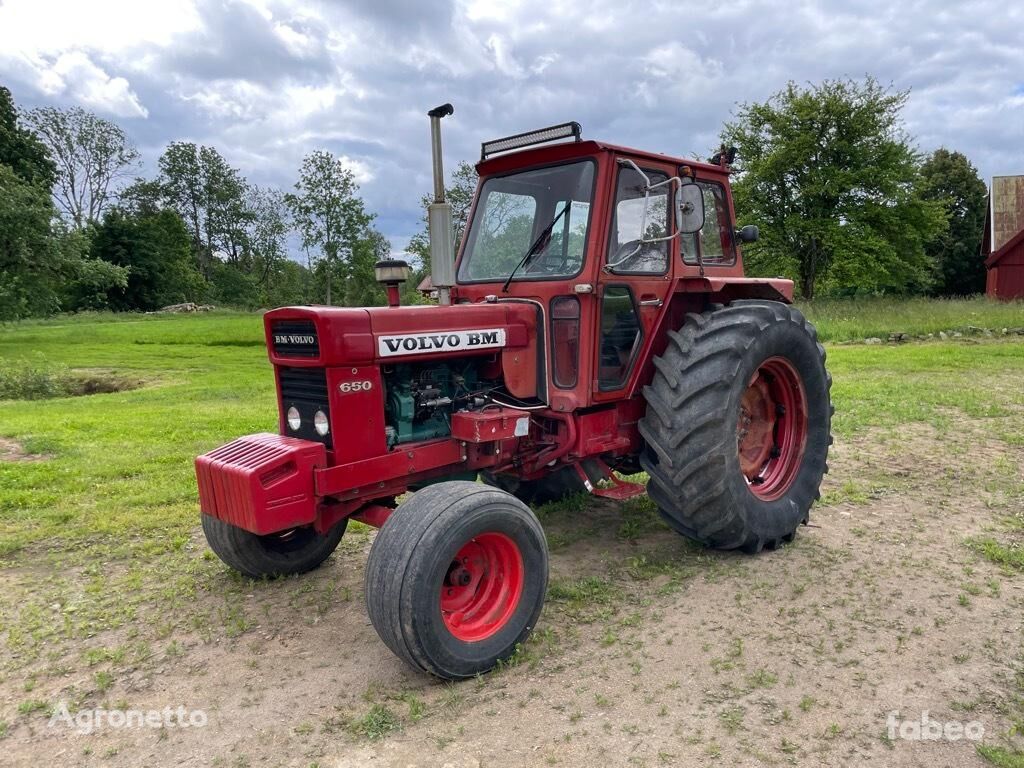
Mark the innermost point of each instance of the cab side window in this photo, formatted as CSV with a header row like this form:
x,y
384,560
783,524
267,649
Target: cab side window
x,y
715,239
627,219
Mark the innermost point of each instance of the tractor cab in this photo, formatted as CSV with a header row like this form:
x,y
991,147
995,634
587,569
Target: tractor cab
x,y
599,238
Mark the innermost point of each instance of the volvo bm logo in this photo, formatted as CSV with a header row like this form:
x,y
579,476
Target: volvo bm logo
x,y
293,338
418,343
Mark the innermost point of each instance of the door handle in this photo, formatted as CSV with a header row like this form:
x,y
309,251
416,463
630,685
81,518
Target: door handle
x,y
651,302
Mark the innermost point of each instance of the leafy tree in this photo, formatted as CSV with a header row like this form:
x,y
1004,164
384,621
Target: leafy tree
x,y
949,178
327,211
831,178
91,154
459,192
143,197
31,257
156,251
268,227
209,195
93,282
291,284
21,150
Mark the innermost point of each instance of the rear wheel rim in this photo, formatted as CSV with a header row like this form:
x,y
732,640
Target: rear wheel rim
x,y
771,429
482,587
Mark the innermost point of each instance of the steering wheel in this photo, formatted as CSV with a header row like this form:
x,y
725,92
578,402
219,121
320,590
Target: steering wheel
x,y
547,266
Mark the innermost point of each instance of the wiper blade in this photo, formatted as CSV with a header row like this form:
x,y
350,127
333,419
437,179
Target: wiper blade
x,y
538,245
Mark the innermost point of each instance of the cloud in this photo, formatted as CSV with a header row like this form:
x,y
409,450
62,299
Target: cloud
x,y
75,76
268,80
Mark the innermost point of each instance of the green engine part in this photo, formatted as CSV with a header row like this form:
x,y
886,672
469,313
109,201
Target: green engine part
x,y
411,410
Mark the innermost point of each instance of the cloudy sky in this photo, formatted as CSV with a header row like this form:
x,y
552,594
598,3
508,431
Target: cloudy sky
x,y
267,80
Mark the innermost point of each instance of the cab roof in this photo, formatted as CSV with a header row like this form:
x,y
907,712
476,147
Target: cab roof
x,y
569,150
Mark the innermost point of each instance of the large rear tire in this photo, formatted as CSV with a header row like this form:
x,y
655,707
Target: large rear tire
x,y
456,578
738,423
297,550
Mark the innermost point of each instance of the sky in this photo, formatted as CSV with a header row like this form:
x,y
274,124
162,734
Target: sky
x,y
266,81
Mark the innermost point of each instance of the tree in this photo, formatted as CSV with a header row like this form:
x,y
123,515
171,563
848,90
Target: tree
x,y
327,211
156,251
949,178
92,154
209,195
30,255
21,150
268,227
459,192
831,178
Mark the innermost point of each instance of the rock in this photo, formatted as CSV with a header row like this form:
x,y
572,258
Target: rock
x,y
942,335
897,337
873,340
957,335
188,306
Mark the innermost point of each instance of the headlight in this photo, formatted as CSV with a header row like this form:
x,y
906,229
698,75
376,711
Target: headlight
x,y
294,419
320,423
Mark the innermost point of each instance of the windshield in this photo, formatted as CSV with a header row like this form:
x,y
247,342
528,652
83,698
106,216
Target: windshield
x,y
513,211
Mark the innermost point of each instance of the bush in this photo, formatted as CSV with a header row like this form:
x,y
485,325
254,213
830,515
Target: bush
x,y
33,379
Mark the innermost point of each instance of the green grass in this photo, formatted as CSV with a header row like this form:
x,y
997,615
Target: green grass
x,y
122,462
1001,756
858,319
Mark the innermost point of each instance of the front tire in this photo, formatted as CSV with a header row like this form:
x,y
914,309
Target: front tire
x,y
297,550
456,578
738,425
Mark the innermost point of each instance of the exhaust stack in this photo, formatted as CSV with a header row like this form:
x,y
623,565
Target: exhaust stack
x,y
439,216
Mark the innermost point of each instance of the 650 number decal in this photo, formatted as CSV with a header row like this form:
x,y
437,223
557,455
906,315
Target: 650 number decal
x,y
355,386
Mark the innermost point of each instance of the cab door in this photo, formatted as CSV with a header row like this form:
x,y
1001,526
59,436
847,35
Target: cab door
x,y
634,282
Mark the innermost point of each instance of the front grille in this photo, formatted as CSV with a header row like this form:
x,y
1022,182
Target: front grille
x,y
295,338
305,389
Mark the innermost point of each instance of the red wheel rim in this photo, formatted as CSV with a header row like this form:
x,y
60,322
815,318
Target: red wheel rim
x,y
771,430
482,587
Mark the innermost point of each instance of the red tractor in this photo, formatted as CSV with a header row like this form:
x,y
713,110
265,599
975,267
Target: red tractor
x,y
597,324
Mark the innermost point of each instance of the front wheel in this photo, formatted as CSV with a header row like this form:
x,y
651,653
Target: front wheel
x,y
296,550
456,578
738,423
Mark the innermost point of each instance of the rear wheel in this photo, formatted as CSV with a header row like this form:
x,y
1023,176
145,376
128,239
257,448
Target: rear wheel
x,y
296,550
737,428
456,578
554,486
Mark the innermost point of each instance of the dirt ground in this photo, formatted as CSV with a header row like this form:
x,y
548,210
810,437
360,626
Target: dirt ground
x,y
650,652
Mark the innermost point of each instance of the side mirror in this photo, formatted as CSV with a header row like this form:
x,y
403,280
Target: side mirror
x,y
749,234
690,213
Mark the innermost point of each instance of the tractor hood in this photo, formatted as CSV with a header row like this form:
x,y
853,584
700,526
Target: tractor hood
x,y
331,336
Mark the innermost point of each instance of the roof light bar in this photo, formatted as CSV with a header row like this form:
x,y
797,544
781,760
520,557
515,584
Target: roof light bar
x,y
528,139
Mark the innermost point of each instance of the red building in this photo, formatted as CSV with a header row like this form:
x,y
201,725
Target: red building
x,y
1004,239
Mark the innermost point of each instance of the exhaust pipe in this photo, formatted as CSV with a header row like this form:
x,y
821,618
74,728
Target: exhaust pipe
x,y
439,216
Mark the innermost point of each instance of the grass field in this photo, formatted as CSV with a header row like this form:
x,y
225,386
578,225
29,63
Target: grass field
x,y
103,570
